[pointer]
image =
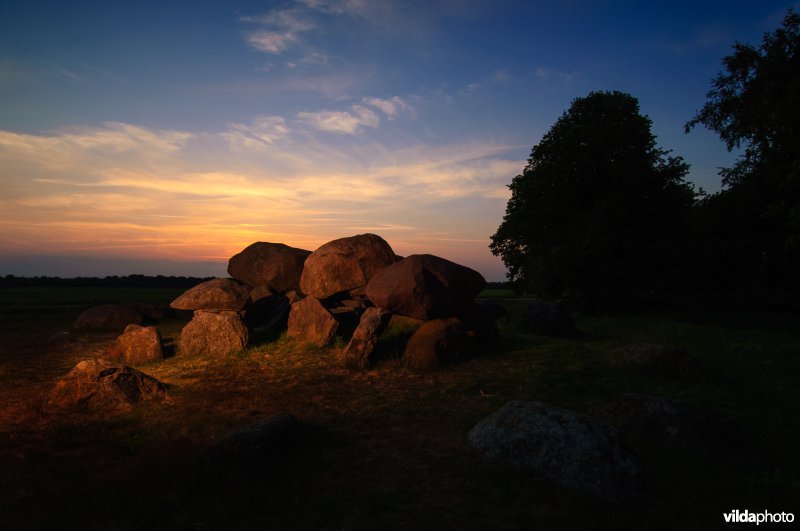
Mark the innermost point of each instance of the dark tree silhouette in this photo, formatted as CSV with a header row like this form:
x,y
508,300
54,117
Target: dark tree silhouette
x,y
599,211
751,229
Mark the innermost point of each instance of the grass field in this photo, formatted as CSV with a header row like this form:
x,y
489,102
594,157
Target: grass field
x,y
388,449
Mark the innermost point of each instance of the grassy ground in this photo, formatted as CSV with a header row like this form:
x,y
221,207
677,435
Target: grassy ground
x,y
388,449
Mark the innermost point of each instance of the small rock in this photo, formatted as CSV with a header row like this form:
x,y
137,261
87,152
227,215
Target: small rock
x,y
293,296
61,338
138,344
261,292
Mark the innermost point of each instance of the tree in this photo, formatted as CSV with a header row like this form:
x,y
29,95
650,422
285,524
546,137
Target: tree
x,y
754,105
599,211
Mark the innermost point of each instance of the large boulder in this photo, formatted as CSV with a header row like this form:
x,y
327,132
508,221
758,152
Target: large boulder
x,y
107,318
663,362
345,265
95,386
436,343
425,287
548,319
138,344
216,294
576,451
361,346
274,265
215,333
310,322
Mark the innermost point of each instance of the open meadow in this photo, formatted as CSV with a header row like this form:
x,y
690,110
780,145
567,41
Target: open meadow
x,y
386,447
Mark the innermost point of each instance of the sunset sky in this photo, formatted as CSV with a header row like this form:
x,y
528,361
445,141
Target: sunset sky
x,y
165,136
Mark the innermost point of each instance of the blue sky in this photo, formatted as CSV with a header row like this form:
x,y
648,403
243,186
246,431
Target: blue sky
x,y
179,132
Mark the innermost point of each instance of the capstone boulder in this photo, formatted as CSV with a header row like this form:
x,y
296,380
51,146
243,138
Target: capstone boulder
x,y
345,265
425,287
273,265
215,294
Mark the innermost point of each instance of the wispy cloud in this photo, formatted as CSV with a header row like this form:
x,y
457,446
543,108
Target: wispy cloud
x,y
349,122
544,72
271,41
391,107
264,130
283,29
132,191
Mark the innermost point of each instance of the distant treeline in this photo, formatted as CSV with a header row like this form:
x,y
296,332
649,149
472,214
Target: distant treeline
x,y
129,281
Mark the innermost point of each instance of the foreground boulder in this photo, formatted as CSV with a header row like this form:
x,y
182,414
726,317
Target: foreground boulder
x,y
310,322
548,319
107,318
365,338
345,265
662,362
274,265
436,343
216,294
214,333
138,344
95,386
425,287
576,451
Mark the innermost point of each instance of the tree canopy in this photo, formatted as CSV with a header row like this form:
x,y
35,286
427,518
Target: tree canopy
x,y
598,209
752,227
755,103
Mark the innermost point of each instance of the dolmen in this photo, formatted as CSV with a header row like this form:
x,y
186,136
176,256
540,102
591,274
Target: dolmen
x,y
350,287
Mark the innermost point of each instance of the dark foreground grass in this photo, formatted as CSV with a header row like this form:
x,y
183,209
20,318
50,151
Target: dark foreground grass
x,y
386,448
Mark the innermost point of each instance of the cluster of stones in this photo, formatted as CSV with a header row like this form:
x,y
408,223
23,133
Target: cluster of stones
x,y
357,282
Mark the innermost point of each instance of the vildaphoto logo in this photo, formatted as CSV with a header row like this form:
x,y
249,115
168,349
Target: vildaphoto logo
x,y
764,517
